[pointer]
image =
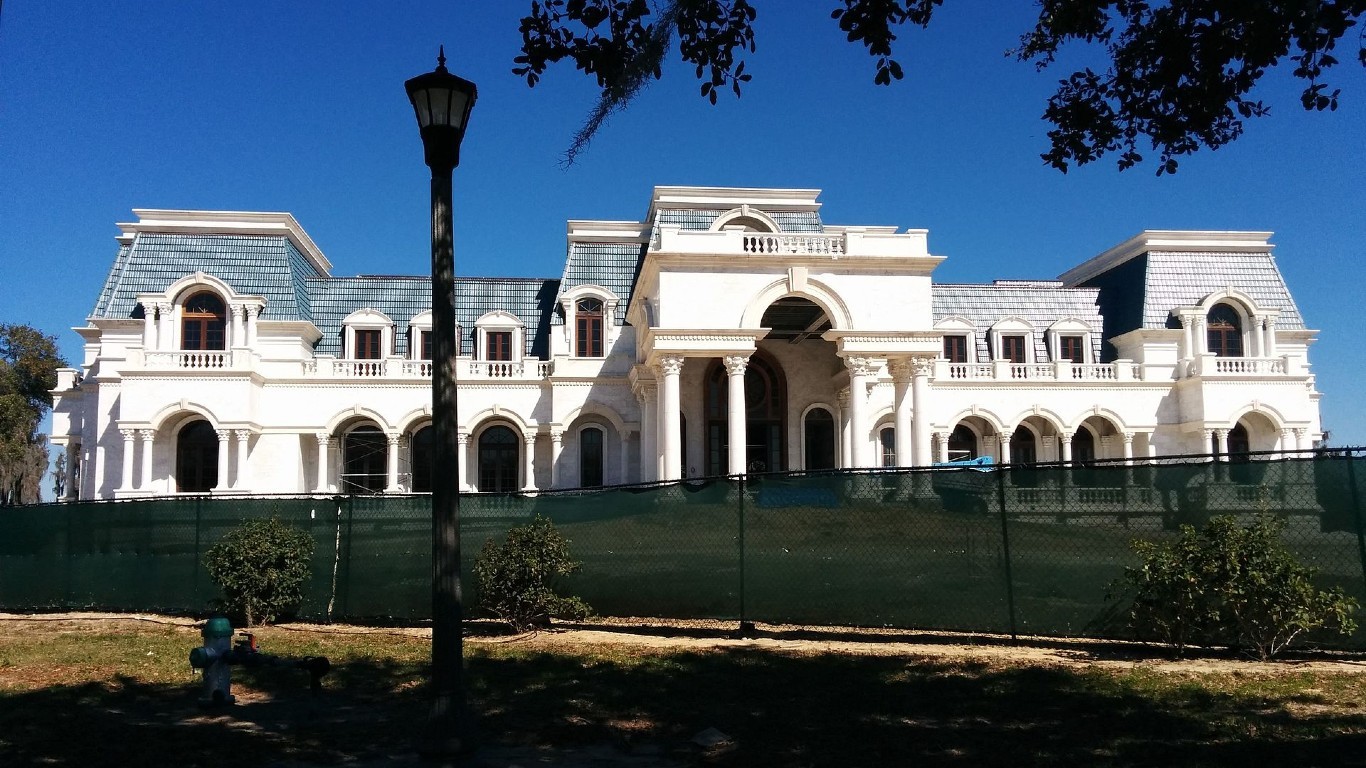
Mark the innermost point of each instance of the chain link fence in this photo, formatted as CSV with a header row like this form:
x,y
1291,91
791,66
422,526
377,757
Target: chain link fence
x,y
1012,550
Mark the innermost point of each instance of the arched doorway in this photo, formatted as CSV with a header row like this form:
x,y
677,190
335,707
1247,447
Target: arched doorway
x,y
765,417
196,458
962,443
819,439
498,460
420,447
364,460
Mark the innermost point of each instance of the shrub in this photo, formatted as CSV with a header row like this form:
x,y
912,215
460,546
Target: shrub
x,y
517,579
261,567
1230,585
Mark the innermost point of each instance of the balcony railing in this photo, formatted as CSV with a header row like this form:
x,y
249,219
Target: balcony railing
x,y
1003,370
820,245
324,366
189,360
1210,365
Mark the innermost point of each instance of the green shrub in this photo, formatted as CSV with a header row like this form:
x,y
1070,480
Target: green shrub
x,y
517,579
1230,585
261,566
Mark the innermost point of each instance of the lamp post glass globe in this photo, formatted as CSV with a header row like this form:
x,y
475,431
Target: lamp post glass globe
x,y
442,102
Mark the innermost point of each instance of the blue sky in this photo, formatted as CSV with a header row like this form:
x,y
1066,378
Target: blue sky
x,y
299,107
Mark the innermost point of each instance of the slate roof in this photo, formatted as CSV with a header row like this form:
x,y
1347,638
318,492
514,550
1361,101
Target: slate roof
x,y
402,298
1183,279
1040,303
265,265
610,265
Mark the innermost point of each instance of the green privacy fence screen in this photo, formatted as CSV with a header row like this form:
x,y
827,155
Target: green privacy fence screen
x,y
1027,550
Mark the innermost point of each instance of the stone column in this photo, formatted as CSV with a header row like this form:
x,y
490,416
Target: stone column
x,y
625,457
649,421
736,416
941,446
145,437
73,460
238,330
324,441
1287,444
921,368
462,461
165,332
529,461
239,483
860,368
1065,447
126,483
223,484
252,312
1269,344
1301,439
1255,337
1152,446
556,447
1221,443
1128,439
670,367
1003,439
149,326
901,412
391,463
843,399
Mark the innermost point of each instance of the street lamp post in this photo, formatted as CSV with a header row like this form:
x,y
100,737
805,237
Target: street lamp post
x,y
442,102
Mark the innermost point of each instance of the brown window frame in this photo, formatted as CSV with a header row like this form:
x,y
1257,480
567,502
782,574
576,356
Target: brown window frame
x,y
588,324
956,348
1014,342
498,346
204,330
368,344
1072,348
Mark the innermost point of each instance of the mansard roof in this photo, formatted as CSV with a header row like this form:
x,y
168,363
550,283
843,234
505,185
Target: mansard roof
x,y
403,298
1041,303
258,265
1144,278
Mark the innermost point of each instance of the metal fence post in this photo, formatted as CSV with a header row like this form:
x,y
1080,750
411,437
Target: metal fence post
x,y
195,593
1356,514
746,626
66,591
1005,543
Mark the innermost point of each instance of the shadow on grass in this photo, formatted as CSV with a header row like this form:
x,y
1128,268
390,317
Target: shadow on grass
x,y
779,710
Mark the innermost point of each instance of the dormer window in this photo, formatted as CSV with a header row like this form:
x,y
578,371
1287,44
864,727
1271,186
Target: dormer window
x,y
588,328
956,349
1225,331
368,334
498,345
203,323
368,345
1012,348
498,337
959,339
1069,340
1071,348
1012,340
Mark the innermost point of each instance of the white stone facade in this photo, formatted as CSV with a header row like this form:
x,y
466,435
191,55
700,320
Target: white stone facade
x,y
212,376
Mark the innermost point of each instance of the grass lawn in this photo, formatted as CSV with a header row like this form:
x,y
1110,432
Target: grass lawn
x,y
85,692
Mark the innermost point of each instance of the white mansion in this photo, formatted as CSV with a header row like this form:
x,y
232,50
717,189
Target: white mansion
x,y
728,331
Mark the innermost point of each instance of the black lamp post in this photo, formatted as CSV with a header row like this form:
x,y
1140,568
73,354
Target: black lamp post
x,y
443,102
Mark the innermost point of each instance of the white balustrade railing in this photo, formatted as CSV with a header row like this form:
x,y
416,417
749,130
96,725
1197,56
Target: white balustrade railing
x,y
1249,366
419,368
970,370
201,360
358,368
1094,372
808,244
1032,371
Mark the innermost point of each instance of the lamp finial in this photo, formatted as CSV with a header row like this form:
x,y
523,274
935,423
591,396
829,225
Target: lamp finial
x,y
441,59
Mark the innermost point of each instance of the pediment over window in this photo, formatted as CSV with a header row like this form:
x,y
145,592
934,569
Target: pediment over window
x,y
367,317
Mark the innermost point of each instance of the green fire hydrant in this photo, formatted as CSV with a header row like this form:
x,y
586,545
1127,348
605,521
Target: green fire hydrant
x,y
218,654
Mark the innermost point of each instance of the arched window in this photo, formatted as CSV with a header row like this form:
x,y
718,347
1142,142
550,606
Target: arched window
x,y
820,439
590,457
886,440
196,458
588,328
203,322
765,409
1083,446
962,444
420,447
498,460
364,460
1022,448
1225,331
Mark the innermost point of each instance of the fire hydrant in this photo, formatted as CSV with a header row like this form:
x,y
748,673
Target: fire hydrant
x,y
214,658
218,655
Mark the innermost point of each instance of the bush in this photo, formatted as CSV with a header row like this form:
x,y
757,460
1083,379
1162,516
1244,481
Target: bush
x,y
261,567
516,580
1230,585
